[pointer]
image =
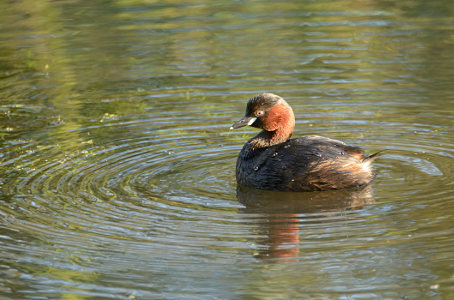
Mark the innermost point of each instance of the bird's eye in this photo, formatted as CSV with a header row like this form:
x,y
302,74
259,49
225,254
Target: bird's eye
x,y
259,113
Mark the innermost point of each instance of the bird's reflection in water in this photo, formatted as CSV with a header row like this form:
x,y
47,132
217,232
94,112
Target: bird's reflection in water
x,y
283,214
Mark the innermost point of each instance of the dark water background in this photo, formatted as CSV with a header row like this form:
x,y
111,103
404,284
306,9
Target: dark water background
x,y
117,165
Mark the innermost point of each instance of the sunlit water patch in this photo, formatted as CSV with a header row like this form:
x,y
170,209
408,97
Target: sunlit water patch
x,y
118,168
152,189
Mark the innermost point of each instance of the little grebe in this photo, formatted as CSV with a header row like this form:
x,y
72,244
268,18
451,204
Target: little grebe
x,y
273,161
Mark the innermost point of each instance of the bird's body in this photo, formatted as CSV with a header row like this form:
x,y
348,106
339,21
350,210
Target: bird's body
x,y
273,161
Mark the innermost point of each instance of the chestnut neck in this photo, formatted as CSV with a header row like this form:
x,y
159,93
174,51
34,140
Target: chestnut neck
x,y
277,127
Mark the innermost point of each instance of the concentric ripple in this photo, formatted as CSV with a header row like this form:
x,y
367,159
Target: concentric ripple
x,y
187,169
117,167
154,186
144,174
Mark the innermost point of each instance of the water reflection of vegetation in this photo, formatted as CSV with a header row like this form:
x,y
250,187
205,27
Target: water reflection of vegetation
x,y
56,77
83,81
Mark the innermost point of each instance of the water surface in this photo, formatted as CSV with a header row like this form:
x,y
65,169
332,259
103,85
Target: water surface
x,y
117,164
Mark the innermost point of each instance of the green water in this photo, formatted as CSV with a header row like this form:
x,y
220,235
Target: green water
x,y
117,164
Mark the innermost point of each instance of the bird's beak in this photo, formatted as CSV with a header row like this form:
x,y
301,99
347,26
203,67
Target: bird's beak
x,y
243,122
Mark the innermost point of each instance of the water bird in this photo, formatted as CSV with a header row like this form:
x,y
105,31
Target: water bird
x,y
273,161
